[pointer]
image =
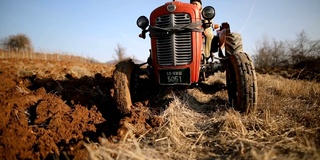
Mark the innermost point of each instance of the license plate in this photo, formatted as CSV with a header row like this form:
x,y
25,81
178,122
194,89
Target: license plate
x,y
180,76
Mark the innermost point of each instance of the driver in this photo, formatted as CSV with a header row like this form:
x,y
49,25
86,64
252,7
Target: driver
x,y
208,33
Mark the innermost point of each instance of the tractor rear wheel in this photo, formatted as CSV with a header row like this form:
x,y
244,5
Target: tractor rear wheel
x,y
241,82
233,43
122,75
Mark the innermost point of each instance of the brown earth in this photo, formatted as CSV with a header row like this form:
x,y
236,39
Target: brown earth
x,y
48,109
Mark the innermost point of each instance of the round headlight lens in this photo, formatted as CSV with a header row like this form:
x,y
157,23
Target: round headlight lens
x,y
208,12
142,22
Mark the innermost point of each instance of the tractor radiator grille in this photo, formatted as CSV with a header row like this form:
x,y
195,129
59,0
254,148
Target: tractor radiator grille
x,y
174,49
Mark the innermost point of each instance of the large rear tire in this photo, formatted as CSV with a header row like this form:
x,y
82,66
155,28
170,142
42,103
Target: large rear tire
x,y
233,43
122,78
241,83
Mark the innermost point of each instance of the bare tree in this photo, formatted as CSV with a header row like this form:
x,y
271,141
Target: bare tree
x,y
279,54
19,42
303,48
270,53
274,53
263,57
120,53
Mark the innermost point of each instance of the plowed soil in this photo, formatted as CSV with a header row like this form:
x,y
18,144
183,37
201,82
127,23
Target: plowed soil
x,y
49,108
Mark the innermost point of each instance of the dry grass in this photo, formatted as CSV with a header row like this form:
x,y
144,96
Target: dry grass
x,y
286,126
30,64
55,56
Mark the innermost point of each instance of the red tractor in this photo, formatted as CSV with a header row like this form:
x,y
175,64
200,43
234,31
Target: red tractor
x,y
177,58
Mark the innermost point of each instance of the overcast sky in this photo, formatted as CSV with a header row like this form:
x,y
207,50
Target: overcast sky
x,y
93,28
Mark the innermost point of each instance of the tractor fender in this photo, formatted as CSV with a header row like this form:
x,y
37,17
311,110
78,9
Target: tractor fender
x,y
222,38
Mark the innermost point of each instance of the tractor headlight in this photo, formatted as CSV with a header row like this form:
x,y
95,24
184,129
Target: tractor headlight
x,y
143,22
208,13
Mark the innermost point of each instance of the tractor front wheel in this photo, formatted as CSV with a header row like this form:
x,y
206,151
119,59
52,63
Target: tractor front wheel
x,y
241,82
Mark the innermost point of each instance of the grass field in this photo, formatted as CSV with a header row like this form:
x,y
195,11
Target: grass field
x,y
195,124
286,126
